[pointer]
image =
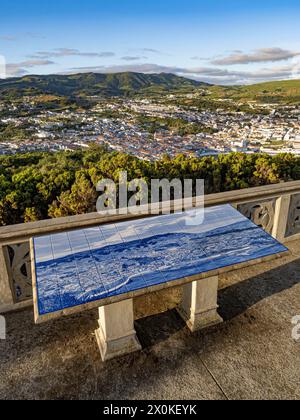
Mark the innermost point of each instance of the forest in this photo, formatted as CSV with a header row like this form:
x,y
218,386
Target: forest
x,y
38,186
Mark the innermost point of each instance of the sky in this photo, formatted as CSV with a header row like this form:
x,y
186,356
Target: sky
x,y
216,41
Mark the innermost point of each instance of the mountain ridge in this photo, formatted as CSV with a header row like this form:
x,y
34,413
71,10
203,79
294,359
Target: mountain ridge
x,y
94,84
129,84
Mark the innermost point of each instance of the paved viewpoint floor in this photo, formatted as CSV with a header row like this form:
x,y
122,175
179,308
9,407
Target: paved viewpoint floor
x,y
251,356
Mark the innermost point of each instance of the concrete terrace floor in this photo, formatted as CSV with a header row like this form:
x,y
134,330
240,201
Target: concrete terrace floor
x,y
251,356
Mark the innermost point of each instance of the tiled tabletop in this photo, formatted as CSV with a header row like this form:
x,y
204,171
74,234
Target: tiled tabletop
x,y
82,266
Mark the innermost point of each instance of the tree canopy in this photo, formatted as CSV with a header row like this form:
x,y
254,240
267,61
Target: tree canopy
x,y
48,185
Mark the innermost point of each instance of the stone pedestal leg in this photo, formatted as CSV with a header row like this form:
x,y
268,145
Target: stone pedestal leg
x,y
6,293
199,304
116,335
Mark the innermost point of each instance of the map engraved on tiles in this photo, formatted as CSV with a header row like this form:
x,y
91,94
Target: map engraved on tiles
x,y
82,266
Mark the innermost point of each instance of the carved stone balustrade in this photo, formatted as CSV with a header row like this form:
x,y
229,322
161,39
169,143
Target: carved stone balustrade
x,y
262,214
276,208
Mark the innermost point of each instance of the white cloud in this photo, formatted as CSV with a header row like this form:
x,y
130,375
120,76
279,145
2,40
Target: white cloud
x,y
262,55
138,68
32,35
215,74
212,75
20,69
71,52
132,58
152,50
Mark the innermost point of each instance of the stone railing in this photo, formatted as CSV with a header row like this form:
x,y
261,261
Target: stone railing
x,y
276,208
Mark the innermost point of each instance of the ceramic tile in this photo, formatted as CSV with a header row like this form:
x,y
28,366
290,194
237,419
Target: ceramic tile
x,y
95,263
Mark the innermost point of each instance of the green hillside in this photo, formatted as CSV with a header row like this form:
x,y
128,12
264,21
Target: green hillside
x,y
90,84
270,92
130,84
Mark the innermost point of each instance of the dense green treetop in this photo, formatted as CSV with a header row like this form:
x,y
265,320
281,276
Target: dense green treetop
x,y
42,185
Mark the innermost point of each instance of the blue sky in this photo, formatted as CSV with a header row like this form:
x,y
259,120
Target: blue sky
x,y
219,41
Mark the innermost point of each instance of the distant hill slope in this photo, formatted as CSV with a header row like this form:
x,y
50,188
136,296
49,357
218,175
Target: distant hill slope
x,y
287,91
130,84
89,84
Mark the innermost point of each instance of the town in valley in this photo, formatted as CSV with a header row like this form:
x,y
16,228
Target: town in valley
x,y
197,123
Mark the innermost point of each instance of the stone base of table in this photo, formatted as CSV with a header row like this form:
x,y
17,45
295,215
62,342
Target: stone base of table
x,y
118,347
116,335
199,304
199,321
